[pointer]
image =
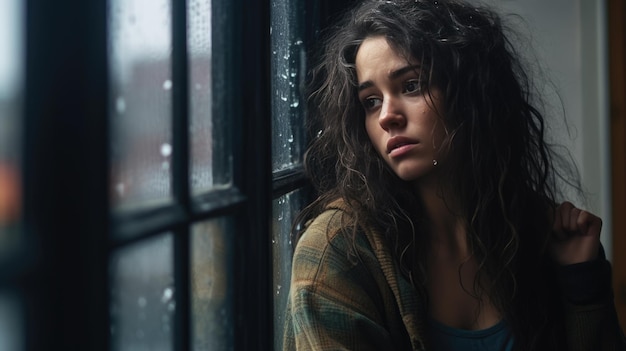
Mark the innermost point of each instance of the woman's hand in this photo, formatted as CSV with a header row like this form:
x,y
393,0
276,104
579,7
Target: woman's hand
x,y
576,235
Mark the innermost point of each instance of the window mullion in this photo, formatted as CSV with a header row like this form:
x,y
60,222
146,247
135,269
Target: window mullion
x,y
65,163
180,176
254,268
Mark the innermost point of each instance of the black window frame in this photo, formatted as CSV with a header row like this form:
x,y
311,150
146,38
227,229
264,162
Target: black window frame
x,y
61,268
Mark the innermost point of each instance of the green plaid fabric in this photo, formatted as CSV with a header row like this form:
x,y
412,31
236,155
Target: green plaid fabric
x,y
348,298
345,297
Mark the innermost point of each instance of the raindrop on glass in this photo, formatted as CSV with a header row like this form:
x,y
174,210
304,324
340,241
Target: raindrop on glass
x,y
167,85
168,293
120,105
166,149
142,302
120,188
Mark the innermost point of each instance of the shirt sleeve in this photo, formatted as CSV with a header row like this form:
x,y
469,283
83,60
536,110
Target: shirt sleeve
x,y
591,319
334,303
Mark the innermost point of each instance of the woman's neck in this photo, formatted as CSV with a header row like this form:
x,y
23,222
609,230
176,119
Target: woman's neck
x,y
446,226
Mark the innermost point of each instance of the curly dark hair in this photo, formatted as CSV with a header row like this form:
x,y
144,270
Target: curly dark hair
x,y
498,165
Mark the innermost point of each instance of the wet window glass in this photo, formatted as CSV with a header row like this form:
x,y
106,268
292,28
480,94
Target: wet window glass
x,y
288,71
140,55
142,296
11,337
11,76
284,209
211,152
212,277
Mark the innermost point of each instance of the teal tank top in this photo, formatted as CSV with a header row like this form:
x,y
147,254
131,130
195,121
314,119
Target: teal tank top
x,y
445,338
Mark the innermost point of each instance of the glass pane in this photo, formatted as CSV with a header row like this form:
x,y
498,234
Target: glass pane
x,y
142,296
210,101
288,73
284,210
212,285
140,54
11,335
11,77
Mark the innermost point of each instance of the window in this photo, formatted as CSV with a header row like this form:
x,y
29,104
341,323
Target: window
x,y
11,81
159,148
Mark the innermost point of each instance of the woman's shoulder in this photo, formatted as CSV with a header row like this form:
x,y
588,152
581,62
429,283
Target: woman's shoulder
x,y
331,253
327,226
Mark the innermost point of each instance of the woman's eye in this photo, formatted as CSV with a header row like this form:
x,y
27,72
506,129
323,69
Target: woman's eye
x,y
412,86
371,103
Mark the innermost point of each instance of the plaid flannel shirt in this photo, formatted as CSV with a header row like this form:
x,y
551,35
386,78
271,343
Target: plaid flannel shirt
x,y
339,302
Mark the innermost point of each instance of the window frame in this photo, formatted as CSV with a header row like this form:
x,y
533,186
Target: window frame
x,y
61,269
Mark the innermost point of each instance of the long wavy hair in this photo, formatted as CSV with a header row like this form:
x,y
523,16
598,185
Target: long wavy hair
x,y
498,165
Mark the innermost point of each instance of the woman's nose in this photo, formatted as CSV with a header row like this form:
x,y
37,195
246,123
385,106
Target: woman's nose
x,y
391,115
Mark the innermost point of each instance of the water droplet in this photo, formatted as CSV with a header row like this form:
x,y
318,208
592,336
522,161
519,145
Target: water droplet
x,y
171,306
168,293
319,133
299,42
290,139
142,302
120,105
295,104
283,97
120,188
166,149
167,85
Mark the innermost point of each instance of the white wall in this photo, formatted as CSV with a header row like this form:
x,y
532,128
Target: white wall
x,y
569,39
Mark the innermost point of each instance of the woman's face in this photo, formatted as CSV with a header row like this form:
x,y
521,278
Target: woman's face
x,y
400,118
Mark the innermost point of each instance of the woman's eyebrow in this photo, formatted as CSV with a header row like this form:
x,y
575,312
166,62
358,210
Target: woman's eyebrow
x,y
399,72
392,75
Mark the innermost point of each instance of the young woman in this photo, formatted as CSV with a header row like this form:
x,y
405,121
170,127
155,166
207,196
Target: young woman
x,y
439,224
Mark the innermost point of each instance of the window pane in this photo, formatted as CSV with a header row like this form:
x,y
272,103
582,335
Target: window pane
x,y
284,209
11,335
288,72
11,15
212,285
140,54
142,296
211,154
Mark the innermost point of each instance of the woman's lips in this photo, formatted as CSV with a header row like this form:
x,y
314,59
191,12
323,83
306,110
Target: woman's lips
x,y
398,146
401,150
